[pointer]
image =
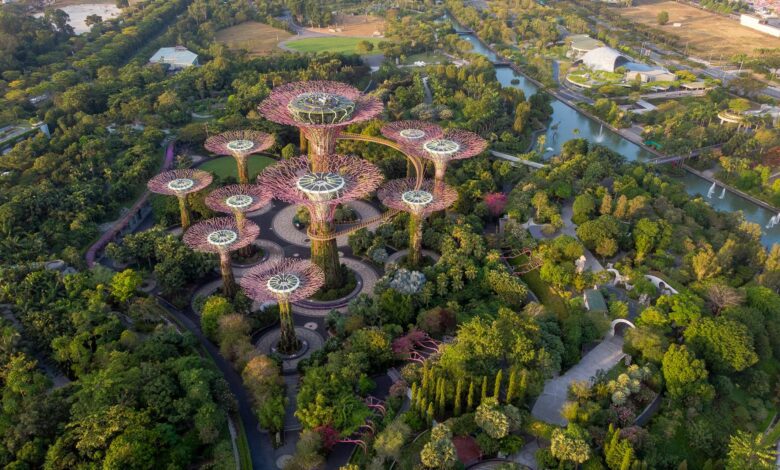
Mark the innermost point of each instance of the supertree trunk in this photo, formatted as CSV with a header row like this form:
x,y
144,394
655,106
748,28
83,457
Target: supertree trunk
x,y
322,144
440,168
246,251
228,281
303,144
288,342
184,210
325,254
243,170
415,240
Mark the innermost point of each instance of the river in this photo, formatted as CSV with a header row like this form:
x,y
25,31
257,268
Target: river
x,y
568,123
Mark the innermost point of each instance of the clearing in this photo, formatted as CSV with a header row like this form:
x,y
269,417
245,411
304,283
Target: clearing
x,y
362,26
79,11
257,38
226,166
331,44
705,32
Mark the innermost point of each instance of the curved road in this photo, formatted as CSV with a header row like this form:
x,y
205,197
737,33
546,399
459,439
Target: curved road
x,y
260,447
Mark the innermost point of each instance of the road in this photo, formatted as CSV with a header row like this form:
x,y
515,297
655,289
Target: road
x,y
260,447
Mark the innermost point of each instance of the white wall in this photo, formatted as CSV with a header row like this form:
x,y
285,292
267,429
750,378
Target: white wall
x,y
754,23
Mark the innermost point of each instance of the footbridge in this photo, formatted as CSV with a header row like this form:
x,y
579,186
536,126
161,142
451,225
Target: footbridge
x,y
513,159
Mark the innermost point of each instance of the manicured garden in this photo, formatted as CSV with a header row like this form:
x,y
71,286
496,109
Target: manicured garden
x,y
342,45
225,167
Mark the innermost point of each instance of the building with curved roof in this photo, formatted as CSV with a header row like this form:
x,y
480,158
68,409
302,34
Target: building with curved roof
x,y
604,58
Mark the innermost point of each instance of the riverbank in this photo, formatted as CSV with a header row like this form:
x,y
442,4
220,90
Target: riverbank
x,y
629,137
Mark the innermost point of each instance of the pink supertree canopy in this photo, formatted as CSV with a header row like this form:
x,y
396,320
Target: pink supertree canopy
x,y
239,142
453,144
238,198
220,235
345,178
319,104
402,194
179,182
411,132
289,279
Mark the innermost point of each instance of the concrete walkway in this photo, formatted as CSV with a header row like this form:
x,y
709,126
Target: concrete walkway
x,y
603,357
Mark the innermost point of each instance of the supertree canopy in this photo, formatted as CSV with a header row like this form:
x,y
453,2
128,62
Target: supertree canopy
x,y
180,183
411,132
320,109
240,144
342,179
222,235
453,144
404,195
286,281
239,199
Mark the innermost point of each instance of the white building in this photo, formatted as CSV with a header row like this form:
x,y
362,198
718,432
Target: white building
x,y
604,58
652,75
176,58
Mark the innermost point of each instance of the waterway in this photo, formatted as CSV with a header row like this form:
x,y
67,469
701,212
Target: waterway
x,y
568,123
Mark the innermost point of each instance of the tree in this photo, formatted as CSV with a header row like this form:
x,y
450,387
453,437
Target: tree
x,y
490,418
749,451
92,20
391,440
213,309
726,344
570,444
685,375
583,208
124,285
497,385
364,47
122,3
663,17
722,296
646,234
439,452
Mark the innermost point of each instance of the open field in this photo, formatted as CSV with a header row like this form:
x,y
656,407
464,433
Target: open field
x,y
330,44
707,33
257,38
226,166
353,26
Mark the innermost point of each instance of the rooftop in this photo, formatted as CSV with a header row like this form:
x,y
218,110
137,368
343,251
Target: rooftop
x,y
604,58
583,42
594,301
178,55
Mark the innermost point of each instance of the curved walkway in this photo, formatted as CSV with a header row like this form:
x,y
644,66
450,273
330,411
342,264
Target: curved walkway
x,y
313,340
283,226
603,357
401,253
272,252
368,277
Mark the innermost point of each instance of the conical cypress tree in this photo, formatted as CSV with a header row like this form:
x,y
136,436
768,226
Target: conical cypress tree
x,y
429,414
415,396
470,397
497,385
627,456
484,390
511,389
456,401
442,397
523,385
424,384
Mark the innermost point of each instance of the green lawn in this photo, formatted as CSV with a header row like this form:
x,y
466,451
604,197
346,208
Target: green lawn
x,y
331,44
226,166
547,297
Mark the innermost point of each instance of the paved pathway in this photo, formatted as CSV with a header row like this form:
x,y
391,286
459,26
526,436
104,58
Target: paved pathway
x,y
273,253
401,253
555,393
283,227
368,279
289,366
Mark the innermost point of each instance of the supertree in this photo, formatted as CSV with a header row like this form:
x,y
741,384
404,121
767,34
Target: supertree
x,y
240,144
341,179
320,109
285,282
453,144
402,194
238,199
221,235
180,183
411,132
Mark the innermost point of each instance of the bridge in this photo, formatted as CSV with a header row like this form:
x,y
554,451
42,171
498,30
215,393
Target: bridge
x,y
676,158
501,63
464,32
513,159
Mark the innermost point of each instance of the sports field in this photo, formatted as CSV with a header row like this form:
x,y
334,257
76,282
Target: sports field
x,y
226,166
706,33
257,38
343,45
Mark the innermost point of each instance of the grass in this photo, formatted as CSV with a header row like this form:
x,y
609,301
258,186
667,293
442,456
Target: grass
x,y
257,38
226,166
410,455
243,446
547,297
341,45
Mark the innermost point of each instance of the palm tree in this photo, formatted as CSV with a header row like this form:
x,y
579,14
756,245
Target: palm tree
x,y
749,452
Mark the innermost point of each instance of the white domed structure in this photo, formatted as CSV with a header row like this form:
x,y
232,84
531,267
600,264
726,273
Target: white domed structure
x,y
604,58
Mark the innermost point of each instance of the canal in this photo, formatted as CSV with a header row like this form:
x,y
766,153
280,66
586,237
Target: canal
x,y
569,123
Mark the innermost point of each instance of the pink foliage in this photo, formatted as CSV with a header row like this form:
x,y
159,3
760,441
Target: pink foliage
x,y
197,237
219,143
255,281
391,195
496,203
329,436
217,200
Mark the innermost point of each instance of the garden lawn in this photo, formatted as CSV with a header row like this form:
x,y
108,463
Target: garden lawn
x,y
547,297
331,44
226,166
